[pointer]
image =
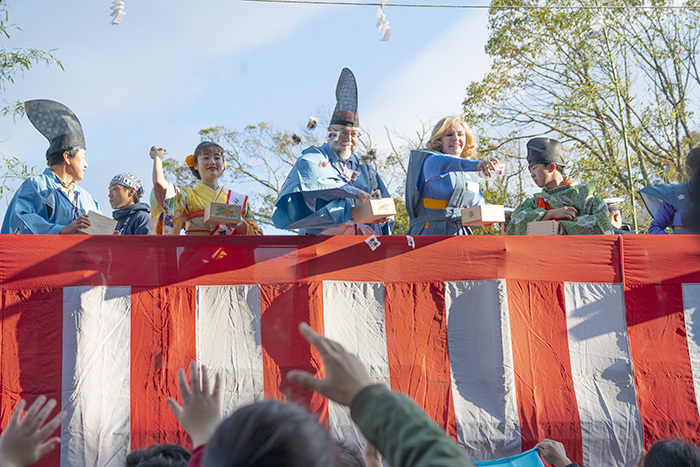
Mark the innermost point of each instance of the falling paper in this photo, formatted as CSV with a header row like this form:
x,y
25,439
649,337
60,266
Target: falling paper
x,y
333,135
296,138
411,242
373,242
313,122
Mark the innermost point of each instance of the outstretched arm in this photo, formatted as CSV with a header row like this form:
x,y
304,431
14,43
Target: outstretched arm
x,y
160,185
399,429
26,439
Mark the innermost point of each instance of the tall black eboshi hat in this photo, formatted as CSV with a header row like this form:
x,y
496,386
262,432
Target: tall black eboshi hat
x,y
57,123
345,112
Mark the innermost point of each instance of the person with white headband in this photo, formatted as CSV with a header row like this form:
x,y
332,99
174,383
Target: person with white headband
x,y
133,217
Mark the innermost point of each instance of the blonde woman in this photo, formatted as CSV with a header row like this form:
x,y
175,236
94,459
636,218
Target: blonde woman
x,y
441,180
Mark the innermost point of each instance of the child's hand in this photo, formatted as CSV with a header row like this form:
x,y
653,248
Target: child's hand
x,y
157,153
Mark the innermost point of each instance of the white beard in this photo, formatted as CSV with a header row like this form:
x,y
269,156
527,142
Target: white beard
x,y
342,151
345,154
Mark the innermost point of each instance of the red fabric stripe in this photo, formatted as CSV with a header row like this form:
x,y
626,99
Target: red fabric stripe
x,y
158,261
416,334
544,386
31,352
162,341
662,370
283,307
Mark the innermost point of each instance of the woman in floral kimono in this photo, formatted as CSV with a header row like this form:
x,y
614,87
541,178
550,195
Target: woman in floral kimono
x,y
174,208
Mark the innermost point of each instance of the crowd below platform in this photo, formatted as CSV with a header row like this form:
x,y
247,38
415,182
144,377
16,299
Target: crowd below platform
x,y
317,198
282,433
326,182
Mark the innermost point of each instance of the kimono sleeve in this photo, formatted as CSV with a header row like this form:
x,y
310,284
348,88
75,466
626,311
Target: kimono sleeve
x,y
594,220
169,218
526,212
27,213
250,220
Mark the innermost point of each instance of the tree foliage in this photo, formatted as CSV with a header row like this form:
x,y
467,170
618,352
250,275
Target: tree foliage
x,y
13,64
629,90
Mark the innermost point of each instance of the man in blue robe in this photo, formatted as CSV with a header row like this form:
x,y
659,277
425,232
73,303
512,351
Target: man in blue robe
x,y
327,181
670,203
52,202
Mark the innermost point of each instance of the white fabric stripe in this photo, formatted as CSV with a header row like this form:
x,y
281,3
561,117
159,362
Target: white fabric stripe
x,y
96,376
229,341
601,367
481,363
353,314
691,308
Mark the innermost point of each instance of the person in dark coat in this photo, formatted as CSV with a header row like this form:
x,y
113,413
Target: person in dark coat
x,y
133,218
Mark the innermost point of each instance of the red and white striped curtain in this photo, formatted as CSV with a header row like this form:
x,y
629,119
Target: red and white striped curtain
x,y
593,341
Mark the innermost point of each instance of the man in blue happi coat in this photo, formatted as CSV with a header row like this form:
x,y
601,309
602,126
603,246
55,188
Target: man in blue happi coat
x,y
671,203
327,181
52,202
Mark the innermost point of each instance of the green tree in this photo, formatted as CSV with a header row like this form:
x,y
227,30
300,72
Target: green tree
x,y
622,98
13,64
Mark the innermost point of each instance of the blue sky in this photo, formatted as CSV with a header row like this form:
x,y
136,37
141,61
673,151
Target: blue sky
x,y
172,68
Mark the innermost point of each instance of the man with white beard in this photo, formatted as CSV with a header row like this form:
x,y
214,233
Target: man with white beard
x,y
327,181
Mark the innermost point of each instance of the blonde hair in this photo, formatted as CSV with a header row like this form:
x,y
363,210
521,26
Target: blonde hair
x,y
441,128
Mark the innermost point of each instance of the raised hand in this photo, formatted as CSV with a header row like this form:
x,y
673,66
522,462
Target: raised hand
x,y
26,439
345,373
158,153
200,412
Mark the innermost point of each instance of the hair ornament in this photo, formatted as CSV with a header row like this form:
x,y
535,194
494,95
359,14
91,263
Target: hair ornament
x,y
190,161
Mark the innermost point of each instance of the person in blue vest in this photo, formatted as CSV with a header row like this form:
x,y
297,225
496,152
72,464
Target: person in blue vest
x,y
327,181
125,192
52,202
671,203
441,181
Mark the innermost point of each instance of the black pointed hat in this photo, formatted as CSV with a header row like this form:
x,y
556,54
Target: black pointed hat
x,y
57,123
345,112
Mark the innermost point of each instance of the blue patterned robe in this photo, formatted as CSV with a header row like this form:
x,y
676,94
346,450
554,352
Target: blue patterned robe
x,y
316,199
42,205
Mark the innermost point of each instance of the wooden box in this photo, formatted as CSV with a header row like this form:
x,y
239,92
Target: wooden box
x,y
372,210
99,225
545,228
221,213
483,215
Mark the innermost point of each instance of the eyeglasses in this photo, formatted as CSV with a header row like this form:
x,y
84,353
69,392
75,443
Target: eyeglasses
x,y
346,133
